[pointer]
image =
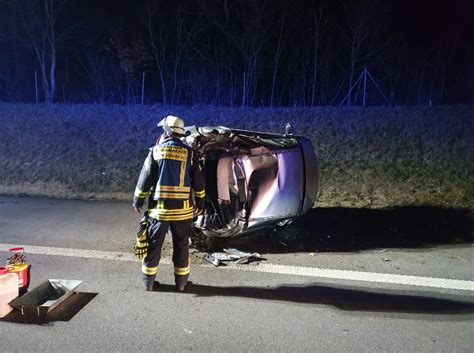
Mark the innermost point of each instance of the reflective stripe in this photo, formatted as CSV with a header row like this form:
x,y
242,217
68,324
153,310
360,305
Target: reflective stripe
x,y
176,211
169,195
171,152
165,217
175,214
140,194
159,214
149,270
173,188
181,271
183,170
200,194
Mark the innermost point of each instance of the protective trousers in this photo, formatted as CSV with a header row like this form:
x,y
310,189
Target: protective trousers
x,y
180,231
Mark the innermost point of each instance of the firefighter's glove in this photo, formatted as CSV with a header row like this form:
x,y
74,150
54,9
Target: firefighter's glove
x,y
141,246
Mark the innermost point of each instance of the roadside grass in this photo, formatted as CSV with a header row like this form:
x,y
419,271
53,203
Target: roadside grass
x,y
373,157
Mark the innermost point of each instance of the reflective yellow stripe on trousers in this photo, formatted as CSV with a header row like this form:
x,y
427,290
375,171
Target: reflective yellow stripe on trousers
x,y
149,270
182,271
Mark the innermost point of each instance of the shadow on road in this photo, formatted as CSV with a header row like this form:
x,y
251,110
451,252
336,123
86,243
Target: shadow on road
x,y
341,298
352,229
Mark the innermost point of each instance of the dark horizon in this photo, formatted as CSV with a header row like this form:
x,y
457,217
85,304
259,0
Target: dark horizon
x,y
238,53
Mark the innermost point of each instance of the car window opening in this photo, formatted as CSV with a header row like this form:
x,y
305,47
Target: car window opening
x,y
239,172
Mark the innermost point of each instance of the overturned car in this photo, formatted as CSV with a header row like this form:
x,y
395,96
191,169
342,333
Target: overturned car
x,y
254,180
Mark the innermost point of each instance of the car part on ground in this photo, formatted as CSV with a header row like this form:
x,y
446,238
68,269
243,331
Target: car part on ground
x,y
231,254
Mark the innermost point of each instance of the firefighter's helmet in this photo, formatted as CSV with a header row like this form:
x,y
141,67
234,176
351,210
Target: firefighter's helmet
x,y
173,125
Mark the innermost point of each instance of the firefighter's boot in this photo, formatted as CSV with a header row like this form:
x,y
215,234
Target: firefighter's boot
x,y
149,281
181,281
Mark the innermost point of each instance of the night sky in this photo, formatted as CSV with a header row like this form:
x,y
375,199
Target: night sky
x,y
237,53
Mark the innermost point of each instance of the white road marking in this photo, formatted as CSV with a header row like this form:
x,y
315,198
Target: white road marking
x,y
346,275
88,254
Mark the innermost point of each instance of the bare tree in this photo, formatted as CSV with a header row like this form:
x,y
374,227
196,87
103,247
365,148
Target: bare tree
x,y
184,28
319,25
282,35
245,27
362,36
40,23
99,67
157,41
133,58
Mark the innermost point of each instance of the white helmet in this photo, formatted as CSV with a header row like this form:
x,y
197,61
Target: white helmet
x,y
173,124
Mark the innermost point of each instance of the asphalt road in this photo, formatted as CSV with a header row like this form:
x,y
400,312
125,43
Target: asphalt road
x,y
235,308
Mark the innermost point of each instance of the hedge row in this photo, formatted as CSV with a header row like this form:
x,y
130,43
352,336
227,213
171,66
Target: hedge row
x,y
370,157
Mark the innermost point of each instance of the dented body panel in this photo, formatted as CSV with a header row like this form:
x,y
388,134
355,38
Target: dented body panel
x,y
254,180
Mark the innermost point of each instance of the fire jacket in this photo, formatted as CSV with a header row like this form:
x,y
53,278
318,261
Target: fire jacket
x,y
170,173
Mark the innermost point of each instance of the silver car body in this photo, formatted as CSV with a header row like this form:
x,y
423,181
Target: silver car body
x,y
254,180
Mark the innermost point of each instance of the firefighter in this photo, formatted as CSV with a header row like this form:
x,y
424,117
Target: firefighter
x,y
170,175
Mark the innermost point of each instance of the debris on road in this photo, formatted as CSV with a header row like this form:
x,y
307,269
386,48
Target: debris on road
x,y
211,259
231,254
